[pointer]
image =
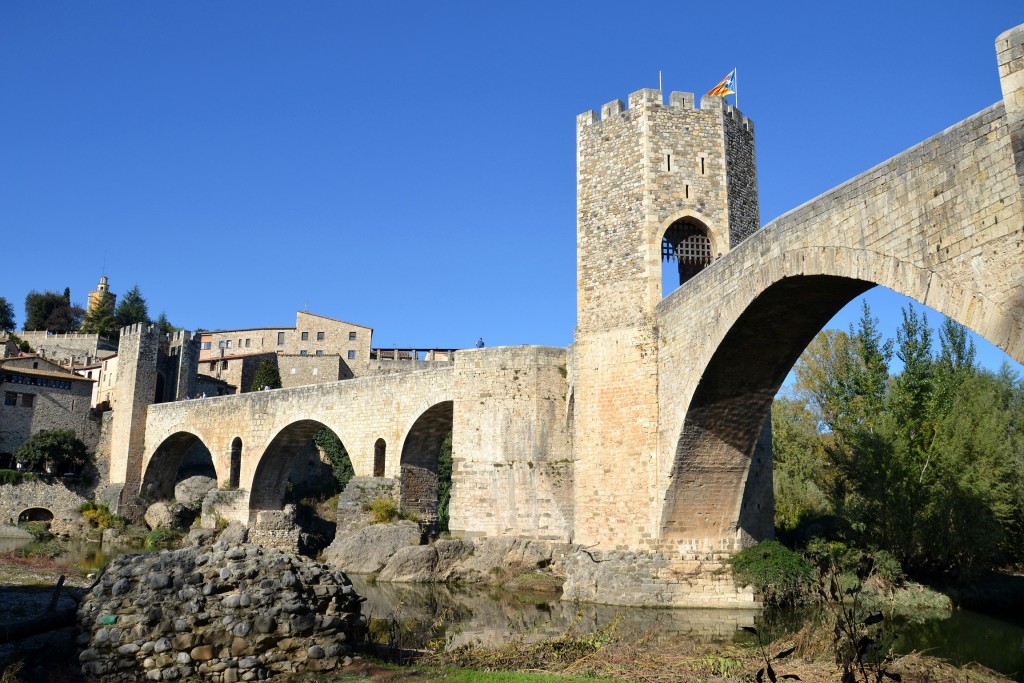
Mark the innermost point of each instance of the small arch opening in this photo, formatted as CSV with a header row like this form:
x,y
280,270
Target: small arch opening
x,y
159,397
35,515
686,249
235,471
379,451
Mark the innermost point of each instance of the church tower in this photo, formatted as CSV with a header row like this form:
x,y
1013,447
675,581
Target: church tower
x,y
655,183
100,295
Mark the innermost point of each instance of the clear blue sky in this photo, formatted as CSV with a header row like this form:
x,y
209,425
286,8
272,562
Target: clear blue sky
x,y
411,166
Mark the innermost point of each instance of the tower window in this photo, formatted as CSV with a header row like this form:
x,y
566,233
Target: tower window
x,y
668,162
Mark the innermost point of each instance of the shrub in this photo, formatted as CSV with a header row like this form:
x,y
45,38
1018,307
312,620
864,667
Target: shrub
x,y
159,539
39,530
101,516
9,477
383,510
780,575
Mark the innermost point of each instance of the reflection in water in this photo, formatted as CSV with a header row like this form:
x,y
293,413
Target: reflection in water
x,y
489,616
88,557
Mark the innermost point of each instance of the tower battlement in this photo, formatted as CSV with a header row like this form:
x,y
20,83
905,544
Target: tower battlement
x,y
652,98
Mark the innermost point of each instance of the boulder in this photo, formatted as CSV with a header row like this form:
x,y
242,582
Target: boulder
x,y
190,492
367,550
236,532
425,563
161,515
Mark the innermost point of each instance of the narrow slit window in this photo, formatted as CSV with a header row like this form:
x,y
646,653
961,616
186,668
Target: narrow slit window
x,y
702,171
668,162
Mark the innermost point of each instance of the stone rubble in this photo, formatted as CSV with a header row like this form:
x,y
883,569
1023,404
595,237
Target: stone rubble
x,y
224,613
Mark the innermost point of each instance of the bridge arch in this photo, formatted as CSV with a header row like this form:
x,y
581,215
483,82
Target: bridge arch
x,y
270,480
419,462
162,470
717,493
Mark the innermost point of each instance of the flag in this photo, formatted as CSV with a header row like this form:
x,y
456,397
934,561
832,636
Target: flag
x,y
726,86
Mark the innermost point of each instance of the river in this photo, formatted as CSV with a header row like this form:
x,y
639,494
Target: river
x,y
457,615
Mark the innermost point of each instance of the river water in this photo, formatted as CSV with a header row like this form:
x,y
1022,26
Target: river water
x,y
457,615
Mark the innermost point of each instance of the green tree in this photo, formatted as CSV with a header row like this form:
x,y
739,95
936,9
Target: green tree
x,y
100,319
132,309
57,451
341,465
800,465
444,483
51,311
267,375
6,316
927,465
164,324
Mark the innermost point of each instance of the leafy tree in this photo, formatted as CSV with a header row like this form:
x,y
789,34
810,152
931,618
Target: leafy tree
x,y
132,309
267,375
56,450
52,311
444,483
100,319
6,316
164,324
341,466
927,465
800,464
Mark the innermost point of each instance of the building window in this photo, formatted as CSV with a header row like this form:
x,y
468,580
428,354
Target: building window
x,y
319,352
223,365
206,346
10,398
27,400
303,352
305,336
247,343
35,365
213,365
351,355
228,343
280,338
220,344
319,336
351,336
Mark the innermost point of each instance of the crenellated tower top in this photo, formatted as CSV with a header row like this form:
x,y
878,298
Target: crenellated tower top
x,y
657,182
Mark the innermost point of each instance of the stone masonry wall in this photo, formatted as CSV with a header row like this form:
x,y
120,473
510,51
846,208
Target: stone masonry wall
x,y
75,346
512,457
297,371
52,408
56,497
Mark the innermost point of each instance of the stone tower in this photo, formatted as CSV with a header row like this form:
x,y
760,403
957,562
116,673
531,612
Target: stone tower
x,y
100,295
653,182
152,367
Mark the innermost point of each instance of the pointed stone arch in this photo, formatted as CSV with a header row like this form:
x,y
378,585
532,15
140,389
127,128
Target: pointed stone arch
x,y
420,450
163,468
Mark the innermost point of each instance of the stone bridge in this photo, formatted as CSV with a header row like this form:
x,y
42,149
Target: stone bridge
x,y
941,223
646,439
384,422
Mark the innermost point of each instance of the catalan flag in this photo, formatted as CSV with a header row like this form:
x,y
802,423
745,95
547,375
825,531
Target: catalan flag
x,y
726,87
